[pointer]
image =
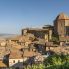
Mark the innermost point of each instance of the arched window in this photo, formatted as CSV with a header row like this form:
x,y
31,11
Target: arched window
x,y
13,61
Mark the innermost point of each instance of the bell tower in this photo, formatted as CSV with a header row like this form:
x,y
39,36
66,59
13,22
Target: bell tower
x,y
61,25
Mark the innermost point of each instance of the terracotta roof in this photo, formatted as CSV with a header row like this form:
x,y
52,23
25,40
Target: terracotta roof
x,y
62,16
15,55
2,64
60,49
15,45
29,53
20,55
24,38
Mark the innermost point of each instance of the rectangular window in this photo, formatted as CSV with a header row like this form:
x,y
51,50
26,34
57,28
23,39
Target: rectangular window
x,y
67,30
13,61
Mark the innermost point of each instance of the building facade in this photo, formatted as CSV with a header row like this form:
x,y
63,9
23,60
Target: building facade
x,y
61,27
43,33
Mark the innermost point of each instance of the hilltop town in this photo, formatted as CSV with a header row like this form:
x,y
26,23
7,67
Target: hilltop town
x,y
35,44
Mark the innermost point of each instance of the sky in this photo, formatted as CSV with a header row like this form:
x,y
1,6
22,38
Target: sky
x,y
18,14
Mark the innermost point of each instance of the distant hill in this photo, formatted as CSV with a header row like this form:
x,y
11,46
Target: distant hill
x,y
6,35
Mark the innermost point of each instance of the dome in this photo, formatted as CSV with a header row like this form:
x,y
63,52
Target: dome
x,y
62,16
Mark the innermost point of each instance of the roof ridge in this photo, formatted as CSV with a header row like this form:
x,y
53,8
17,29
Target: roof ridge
x,y
62,16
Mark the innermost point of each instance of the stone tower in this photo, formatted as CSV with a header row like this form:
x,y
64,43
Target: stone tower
x,y
61,25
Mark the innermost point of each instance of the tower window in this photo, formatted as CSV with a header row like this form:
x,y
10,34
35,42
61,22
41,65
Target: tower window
x,y
13,61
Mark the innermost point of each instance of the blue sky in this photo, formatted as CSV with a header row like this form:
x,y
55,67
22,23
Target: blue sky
x,y
18,14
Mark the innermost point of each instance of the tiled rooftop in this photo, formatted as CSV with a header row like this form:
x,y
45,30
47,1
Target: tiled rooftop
x,y
62,16
2,64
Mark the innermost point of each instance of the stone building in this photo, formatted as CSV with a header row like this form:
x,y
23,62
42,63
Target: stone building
x,y
43,33
61,27
2,49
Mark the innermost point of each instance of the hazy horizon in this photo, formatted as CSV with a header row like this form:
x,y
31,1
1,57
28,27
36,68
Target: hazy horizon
x,y
18,14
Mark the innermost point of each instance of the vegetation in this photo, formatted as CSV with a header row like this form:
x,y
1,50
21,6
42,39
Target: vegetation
x,y
53,62
55,37
57,62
